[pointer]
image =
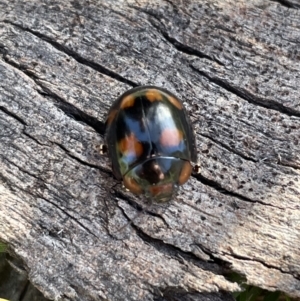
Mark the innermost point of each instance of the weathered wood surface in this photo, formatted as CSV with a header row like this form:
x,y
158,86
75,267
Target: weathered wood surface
x,y
234,63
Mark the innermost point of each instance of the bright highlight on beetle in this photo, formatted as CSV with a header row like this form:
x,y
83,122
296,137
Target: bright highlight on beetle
x,y
150,142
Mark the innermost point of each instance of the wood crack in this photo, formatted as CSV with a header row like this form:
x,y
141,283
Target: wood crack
x,y
175,252
245,95
163,247
64,211
71,217
96,66
287,3
69,109
108,172
178,45
206,251
139,208
266,160
24,291
27,72
231,150
216,186
34,139
21,169
46,200
74,112
269,266
13,115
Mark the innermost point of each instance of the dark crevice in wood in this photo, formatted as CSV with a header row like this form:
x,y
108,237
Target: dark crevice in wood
x,y
4,180
19,67
13,115
176,252
3,49
287,3
289,165
151,213
46,200
184,48
65,212
97,67
21,169
72,111
66,107
131,202
178,45
34,139
34,195
206,251
17,263
139,208
174,7
66,298
196,208
53,233
269,266
231,150
24,291
215,185
108,172
266,161
226,266
248,97
164,247
79,115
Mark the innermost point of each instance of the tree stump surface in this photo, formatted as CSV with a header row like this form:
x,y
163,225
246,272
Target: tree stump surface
x,y
235,64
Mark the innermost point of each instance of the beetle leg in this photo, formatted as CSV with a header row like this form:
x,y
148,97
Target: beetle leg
x,y
197,169
103,149
124,187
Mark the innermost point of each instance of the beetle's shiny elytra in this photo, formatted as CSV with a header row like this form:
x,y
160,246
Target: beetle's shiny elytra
x,y
150,142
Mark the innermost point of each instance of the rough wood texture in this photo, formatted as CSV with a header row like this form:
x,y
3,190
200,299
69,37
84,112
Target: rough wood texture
x,y
234,63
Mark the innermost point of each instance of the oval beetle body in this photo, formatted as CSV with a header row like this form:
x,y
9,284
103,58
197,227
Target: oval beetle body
x,y
150,142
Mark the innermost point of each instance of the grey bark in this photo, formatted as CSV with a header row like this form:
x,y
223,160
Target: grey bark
x,y
236,66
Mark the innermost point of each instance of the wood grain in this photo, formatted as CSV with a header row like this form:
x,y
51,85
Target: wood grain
x,y
235,64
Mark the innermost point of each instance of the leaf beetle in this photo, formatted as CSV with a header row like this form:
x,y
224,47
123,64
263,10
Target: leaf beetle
x,y
150,142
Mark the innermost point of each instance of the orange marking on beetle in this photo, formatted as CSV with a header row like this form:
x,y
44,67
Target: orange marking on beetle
x,y
132,185
170,137
127,102
185,173
153,95
131,145
111,116
175,102
156,190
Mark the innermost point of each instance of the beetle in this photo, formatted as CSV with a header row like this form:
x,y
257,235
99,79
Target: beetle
x,y
150,142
